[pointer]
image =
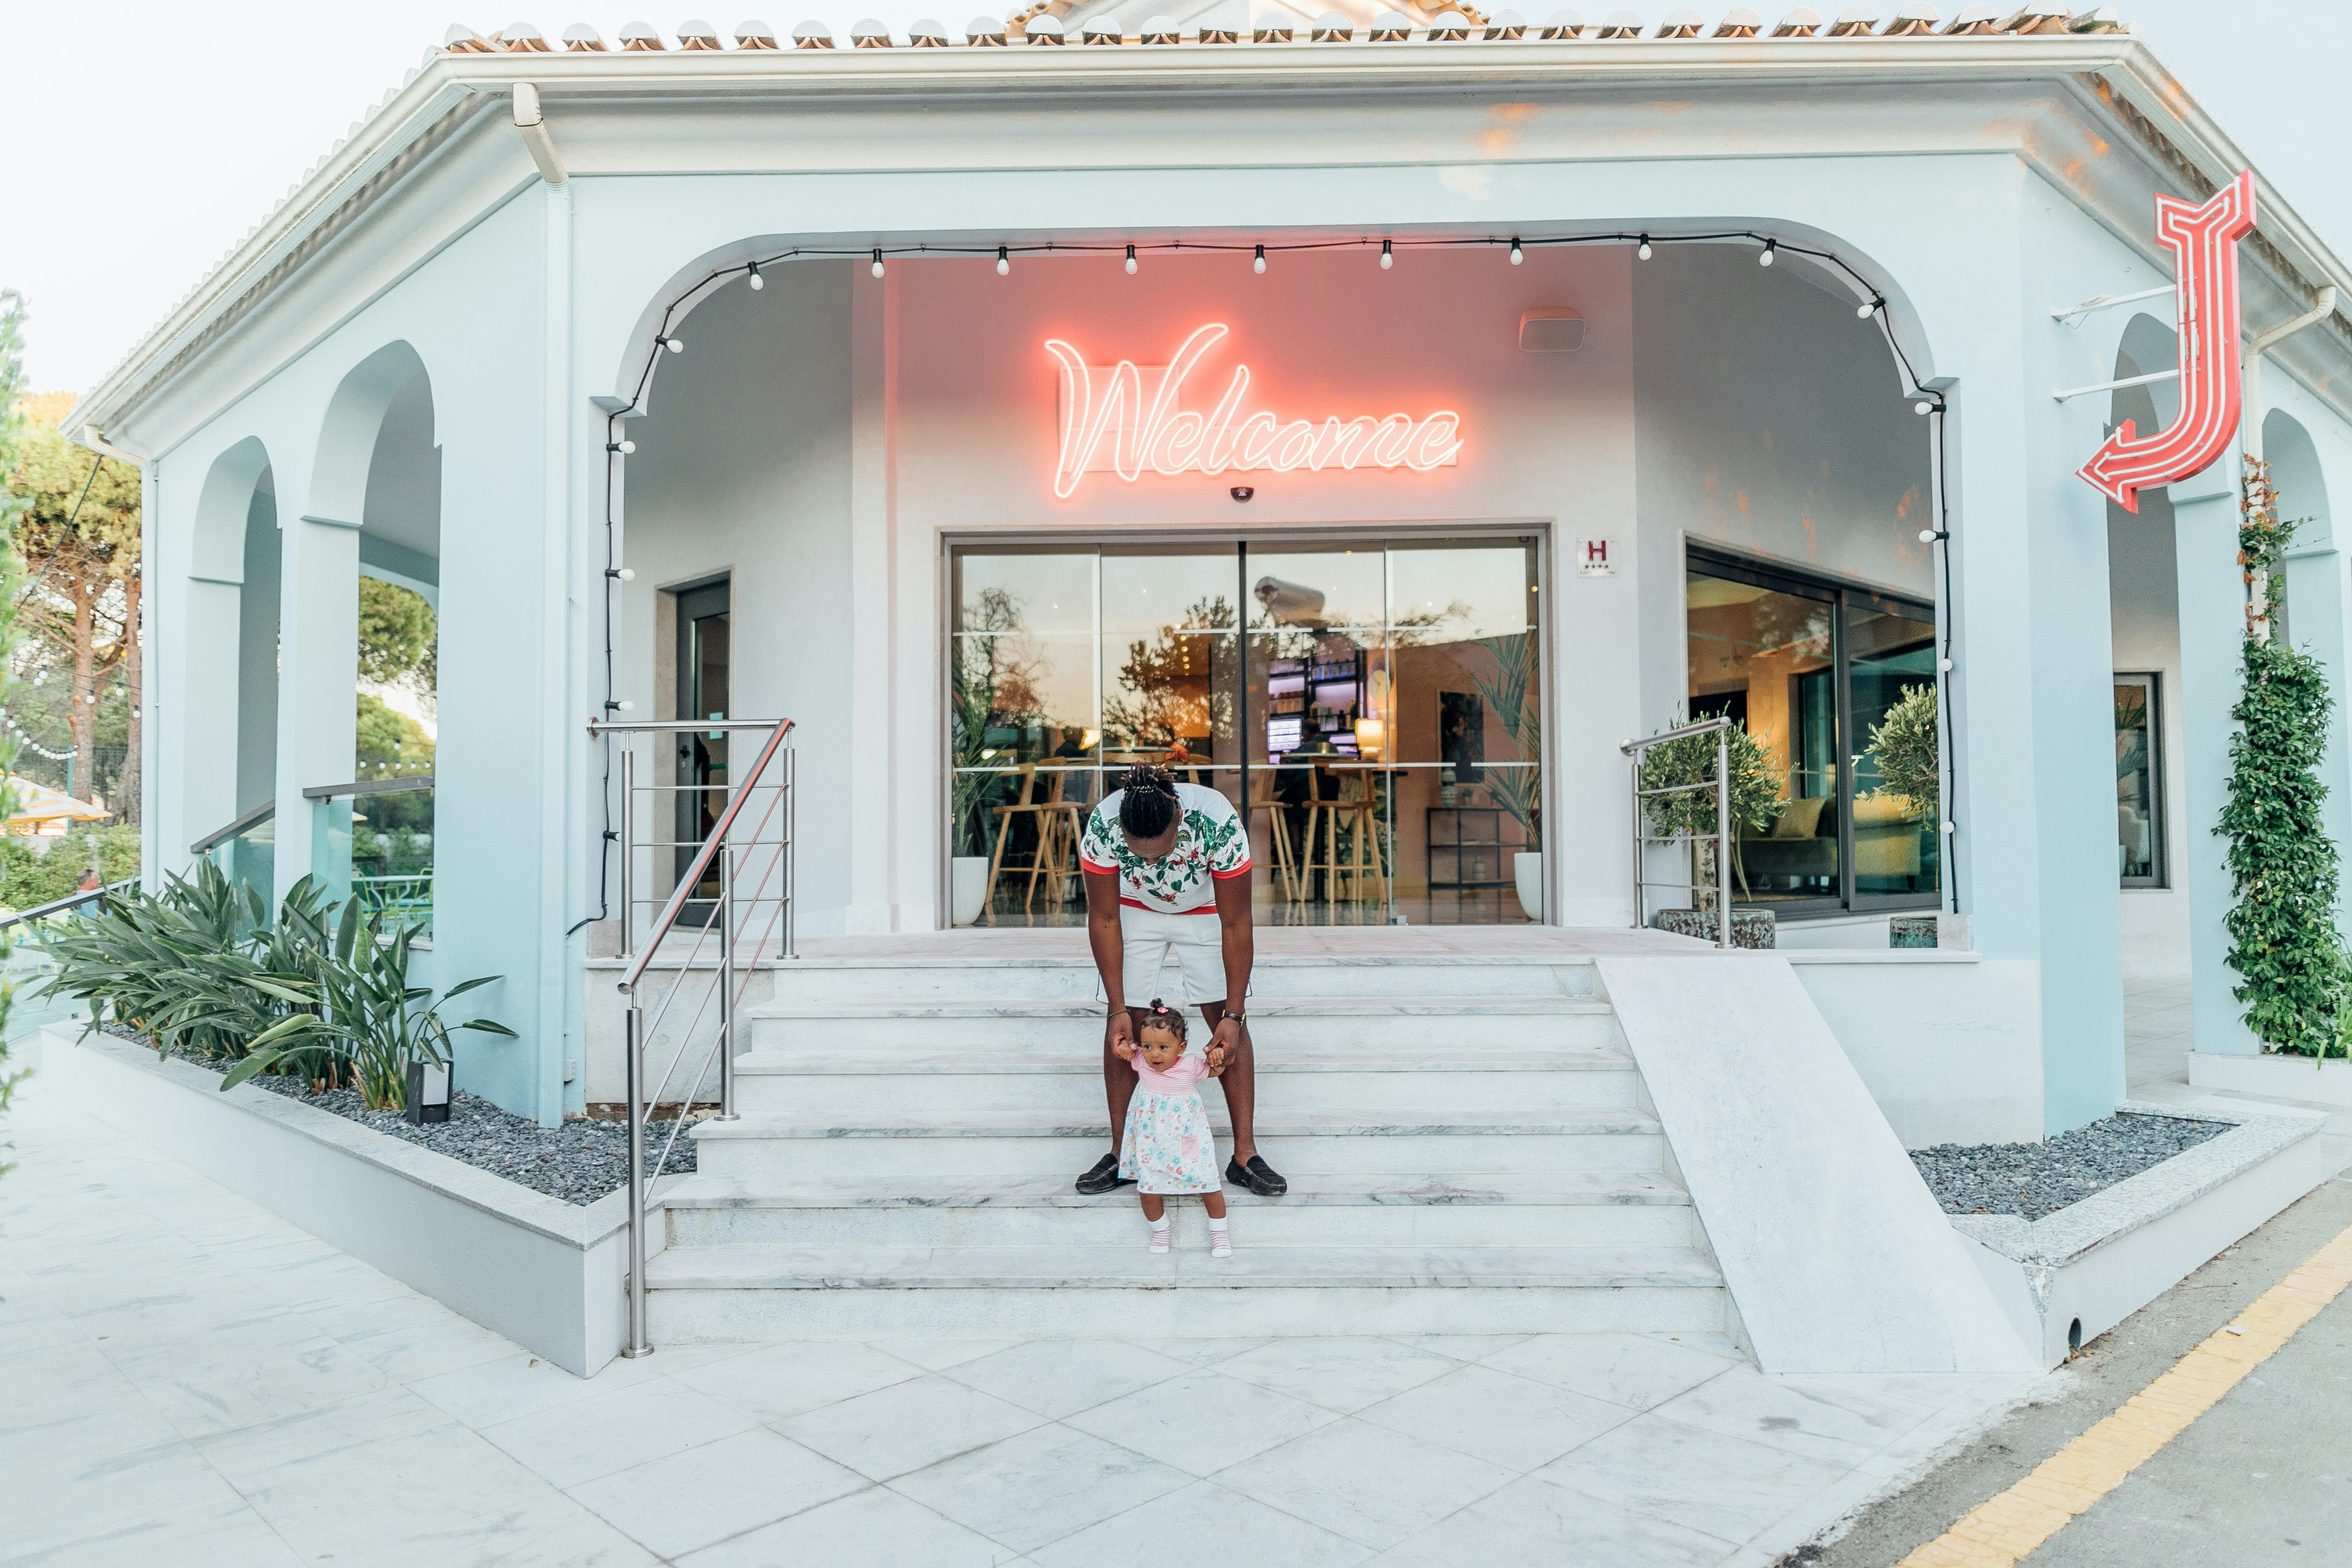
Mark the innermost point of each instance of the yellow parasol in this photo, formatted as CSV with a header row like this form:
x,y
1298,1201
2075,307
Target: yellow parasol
x,y
43,811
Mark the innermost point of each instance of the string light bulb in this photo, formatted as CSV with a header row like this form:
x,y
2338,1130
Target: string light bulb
x,y
1867,308
1130,261
877,261
1515,255
1004,262
1922,406
673,345
624,448
1259,265
1764,258
1387,257
756,281
1642,249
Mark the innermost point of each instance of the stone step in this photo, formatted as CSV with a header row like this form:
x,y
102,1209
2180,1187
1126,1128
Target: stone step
x,y
1059,1081
1596,1209
751,1293
812,1144
1361,1023
1024,976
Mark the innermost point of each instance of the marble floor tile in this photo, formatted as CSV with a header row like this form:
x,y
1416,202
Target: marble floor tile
x,y
581,1439
1529,1522
253,1384
876,1525
907,1426
517,1385
1205,1353
1637,1371
1835,1420
1201,1520
1202,1421
1040,1486
779,1381
938,1355
1463,1347
552,1532
1373,1486
238,1538
345,1499
1505,1419
131,1497
697,1499
1722,1485
1338,1373
1060,1377
409,1351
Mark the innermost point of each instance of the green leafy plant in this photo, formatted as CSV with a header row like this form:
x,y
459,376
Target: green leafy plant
x,y
1905,746
356,1007
2283,869
1756,791
1509,693
317,992
13,427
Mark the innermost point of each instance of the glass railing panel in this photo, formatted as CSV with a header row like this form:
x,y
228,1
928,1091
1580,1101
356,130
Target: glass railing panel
x,y
375,845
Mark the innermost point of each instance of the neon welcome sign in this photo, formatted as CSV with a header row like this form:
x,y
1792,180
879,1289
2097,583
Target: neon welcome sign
x,y
1105,423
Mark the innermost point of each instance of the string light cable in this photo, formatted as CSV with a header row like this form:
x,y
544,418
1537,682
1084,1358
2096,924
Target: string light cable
x,y
1927,401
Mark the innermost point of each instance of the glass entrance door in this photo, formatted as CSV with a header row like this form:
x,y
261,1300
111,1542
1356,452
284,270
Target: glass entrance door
x,y
1373,705
702,693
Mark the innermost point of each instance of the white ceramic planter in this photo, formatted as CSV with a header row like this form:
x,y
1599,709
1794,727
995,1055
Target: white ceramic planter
x,y
1528,870
967,888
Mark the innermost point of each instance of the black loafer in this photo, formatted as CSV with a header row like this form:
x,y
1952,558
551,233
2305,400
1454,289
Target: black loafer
x,y
1257,1176
1105,1176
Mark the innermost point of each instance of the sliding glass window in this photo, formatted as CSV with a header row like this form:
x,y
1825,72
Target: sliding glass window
x,y
1837,684
2139,792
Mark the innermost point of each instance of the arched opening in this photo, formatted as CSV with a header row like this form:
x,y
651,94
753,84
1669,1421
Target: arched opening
x,y
2144,605
2295,471
231,663
375,524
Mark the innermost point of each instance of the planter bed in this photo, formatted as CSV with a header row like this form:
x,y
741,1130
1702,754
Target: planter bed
x,y
2274,1077
2034,1181
546,1273
2080,1270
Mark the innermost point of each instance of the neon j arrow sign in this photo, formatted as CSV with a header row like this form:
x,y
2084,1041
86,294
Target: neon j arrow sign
x,y
1107,422
2203,241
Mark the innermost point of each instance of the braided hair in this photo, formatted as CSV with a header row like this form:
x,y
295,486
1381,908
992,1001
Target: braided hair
x,y
1146,806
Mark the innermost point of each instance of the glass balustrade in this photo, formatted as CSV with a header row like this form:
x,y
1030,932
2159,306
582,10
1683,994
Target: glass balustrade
x,y
373,841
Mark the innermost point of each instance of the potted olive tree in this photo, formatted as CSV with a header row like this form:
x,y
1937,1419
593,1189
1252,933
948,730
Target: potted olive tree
x,y
1756,776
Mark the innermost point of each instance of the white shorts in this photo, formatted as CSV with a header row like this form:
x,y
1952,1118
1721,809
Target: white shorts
x,y
1177,958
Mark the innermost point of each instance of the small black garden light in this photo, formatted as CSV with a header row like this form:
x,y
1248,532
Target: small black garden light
x,y
428,1092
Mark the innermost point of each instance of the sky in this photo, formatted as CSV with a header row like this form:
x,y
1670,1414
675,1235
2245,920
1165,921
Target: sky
x,y
166,131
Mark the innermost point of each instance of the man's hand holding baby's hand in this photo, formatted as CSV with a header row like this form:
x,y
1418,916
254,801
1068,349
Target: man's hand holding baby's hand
x,y
1123,1049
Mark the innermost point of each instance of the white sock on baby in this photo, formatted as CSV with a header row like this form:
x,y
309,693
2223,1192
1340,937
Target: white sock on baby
x,y
1159,1233
1220,1244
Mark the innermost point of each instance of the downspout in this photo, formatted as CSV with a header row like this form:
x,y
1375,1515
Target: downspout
x,y
2249,421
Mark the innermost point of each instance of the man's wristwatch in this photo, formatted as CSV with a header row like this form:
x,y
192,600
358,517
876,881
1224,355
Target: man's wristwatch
x,y
1233,1018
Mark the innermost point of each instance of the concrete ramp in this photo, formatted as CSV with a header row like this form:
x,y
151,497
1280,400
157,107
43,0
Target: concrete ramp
x,y
1836,1256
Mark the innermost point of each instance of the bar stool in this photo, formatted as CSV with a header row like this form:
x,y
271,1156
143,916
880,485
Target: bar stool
x,y
1344,879
1058,825
1288,885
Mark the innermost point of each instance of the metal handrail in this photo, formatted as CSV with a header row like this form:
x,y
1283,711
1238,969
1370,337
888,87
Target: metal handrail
x,y
70,901
714,845
259,814
1720,726
404,784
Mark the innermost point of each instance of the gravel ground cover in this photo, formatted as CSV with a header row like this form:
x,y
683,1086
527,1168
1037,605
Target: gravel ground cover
x,y
2036,1180
579,1162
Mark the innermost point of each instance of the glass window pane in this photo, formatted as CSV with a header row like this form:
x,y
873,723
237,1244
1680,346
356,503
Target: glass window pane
x,y
1450,587
1891,675
1316,591
2139,830
1763,657
1035,591
1174,585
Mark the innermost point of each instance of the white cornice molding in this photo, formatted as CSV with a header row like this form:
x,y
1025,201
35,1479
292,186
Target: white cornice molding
x,y
433,107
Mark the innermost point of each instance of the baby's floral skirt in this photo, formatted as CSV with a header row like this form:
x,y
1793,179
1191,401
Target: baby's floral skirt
x,y
1168,1147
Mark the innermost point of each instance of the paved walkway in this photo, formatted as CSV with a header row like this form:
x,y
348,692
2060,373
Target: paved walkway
x,y
191,1381
2159,1028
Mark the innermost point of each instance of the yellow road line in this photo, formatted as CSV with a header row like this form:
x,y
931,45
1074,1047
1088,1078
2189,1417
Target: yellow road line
x,y
2004,1529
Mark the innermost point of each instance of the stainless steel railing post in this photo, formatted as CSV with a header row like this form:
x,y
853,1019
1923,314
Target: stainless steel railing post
x,y
634,1051
727,981
1641,850
1723,838
792,802
628,848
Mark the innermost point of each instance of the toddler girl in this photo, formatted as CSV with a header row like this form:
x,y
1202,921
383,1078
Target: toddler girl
x,y
1167,1147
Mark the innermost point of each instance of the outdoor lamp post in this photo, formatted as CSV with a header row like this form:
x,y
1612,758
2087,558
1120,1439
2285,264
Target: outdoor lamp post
x,y
428,1092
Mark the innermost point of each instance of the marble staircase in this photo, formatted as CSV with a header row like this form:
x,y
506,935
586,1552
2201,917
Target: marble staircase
x,y
1467,1141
